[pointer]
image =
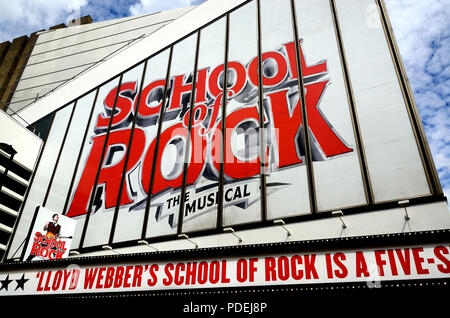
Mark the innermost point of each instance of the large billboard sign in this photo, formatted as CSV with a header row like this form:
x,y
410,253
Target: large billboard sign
x,y
275,109
284,147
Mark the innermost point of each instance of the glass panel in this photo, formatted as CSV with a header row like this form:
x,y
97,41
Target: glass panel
x,y
66,165
241,157
337,172
42,176
200,210
100,222
131,215
41,127
393,159
90,159
287,183
166,191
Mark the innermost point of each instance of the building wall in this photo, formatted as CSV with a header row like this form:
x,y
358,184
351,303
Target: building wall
x,y
339,138
60,54
15,172
14,58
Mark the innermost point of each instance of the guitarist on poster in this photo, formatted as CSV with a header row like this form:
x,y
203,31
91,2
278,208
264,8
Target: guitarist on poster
x,y
53,228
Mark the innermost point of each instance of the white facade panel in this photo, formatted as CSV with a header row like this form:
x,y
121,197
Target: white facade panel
x,y
394,163
61,181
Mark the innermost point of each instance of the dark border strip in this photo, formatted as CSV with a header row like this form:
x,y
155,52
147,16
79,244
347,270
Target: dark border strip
x,y
305,126
419,134
220,208
262,135
352,106
127,156
164,104
55,167
102,158
187,149
340,297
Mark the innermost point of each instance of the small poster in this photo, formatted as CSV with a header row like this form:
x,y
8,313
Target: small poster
x,y
51,236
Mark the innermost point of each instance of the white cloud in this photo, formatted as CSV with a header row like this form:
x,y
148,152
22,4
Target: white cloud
x,y
20,17
422,30
148,6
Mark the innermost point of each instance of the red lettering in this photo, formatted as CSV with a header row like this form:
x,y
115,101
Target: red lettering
x,y
273,79
241,273
100,277
380,262
283,268
89,277
361,265
119,277
167,281
109,277
41,277
310,269
224,279
74,280
235,167
127,276
236,74
181,90
57,280
35,249
110,176
178,277
392,262
175,135
288,124
307,71
47,282
329,265
121,116
202,272
252,268
404,260
270,271
150,94
440,251
190,273
214,272
297,274
418,260
342,272
66,277
153,279
137,276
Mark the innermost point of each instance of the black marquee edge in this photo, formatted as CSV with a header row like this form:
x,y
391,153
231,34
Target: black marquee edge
x,y
386,296
349,298
317,245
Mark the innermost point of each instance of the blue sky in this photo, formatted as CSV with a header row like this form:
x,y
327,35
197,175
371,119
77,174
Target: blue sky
x,y
422,30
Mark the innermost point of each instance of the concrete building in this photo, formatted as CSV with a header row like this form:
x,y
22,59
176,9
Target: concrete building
x,y
255,136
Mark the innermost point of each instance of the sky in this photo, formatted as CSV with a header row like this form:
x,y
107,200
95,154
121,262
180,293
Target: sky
x,y
422,30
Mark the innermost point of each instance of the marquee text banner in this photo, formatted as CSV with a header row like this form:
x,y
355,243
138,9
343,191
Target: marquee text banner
x,y
372,266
